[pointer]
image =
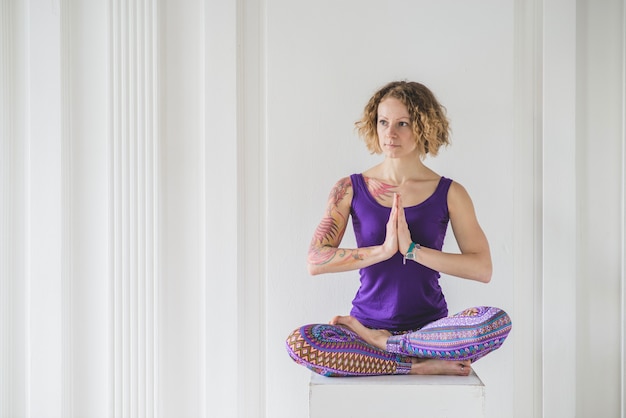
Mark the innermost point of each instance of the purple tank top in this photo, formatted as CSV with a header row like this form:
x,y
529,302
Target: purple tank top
x,y
392,295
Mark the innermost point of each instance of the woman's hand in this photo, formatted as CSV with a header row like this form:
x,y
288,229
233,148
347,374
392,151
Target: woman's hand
x,y
403,233
390,246
398,238
326,256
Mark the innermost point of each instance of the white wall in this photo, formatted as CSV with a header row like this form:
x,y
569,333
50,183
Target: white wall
x,y
319,77
164,165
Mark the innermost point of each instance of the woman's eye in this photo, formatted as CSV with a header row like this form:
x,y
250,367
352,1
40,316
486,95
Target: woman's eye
x,y
382,122
404,123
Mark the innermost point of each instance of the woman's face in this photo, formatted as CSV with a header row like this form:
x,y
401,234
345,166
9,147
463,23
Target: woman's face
x,y
395,135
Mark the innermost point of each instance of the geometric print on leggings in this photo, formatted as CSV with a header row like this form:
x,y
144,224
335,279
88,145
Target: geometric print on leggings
x,y
468,335
332,350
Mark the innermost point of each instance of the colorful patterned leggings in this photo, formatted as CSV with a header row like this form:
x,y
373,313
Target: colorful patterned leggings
x,y
337,351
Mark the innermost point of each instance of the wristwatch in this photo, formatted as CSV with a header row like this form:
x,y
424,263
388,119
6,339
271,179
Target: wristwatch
x,y
410,253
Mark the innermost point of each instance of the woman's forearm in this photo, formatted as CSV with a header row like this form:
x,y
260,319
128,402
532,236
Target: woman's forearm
x,y
473,266
328,259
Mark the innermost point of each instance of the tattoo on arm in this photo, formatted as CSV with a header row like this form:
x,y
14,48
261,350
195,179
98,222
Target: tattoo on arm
x,y
328,234
338,193
323,255
327,230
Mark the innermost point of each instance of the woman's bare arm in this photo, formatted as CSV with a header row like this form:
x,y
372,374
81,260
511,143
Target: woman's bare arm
x,y
474,262
325,255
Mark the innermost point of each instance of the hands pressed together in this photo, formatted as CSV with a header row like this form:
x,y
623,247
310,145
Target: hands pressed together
x,y
398,237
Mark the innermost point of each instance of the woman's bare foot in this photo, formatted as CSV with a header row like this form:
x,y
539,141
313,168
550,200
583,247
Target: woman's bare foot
x,y
376,337
432,366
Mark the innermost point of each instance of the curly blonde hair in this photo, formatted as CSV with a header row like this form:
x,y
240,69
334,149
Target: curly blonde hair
x,y
428,117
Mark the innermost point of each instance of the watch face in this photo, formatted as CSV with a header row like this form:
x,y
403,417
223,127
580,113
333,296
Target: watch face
x,y
410,256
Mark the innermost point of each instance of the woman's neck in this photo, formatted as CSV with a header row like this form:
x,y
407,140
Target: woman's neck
x,y
397,171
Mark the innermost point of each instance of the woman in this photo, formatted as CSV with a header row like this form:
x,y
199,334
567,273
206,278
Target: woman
x,y
400,211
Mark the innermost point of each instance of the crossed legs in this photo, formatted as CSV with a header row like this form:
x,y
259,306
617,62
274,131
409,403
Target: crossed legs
x,y
345,347
378,338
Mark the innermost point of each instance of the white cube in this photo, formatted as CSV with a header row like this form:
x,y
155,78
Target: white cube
x,y
401,395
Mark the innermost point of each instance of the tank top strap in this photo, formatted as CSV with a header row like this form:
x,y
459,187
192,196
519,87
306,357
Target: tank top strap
x,y
358,183
441,192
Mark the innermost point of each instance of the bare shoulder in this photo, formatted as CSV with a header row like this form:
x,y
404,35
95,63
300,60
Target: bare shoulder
x,y
344,182
459,200
341,192
343,185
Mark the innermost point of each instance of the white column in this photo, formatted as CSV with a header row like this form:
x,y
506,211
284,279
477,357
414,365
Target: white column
x,y
134,195
47,239
224,221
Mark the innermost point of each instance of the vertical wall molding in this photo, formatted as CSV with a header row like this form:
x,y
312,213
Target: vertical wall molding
x,y
7,276
133,177
67,276
13,365
253,192
527,257
623,218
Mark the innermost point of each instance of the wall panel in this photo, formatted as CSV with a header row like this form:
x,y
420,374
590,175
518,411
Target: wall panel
x,y
253,140
47,239
181,203
87,97
224,251
559,193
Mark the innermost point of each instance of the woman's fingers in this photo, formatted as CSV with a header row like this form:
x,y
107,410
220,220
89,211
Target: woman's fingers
x,y
394,208
391,239
404,235
400,208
